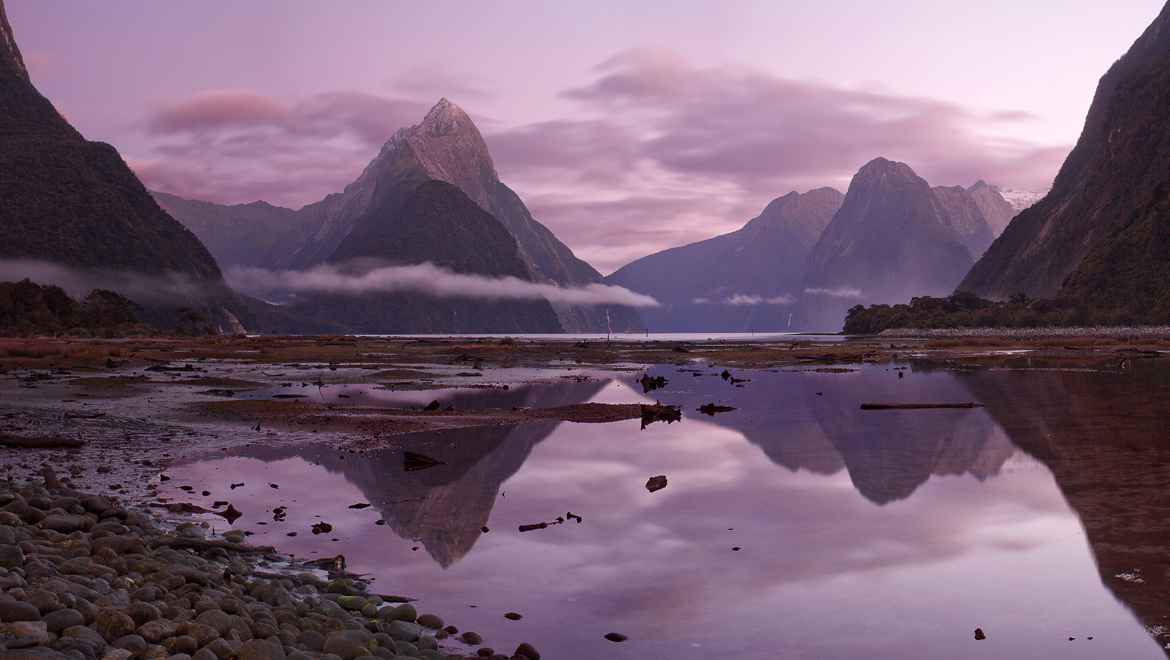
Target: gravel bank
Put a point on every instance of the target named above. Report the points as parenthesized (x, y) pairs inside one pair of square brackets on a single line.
[(85, 578)]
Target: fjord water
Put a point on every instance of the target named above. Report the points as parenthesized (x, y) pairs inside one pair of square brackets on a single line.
[(797, 526)]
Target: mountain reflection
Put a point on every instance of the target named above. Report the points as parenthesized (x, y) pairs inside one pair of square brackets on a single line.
[(1103, 436), (444, 507), (813, 420)]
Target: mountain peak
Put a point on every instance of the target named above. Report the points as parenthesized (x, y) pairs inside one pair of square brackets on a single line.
[(879, 167), (446, 118), (10, 60), (448, 145), (979, 185)]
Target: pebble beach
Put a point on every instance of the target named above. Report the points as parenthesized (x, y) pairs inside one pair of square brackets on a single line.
[(87, 577)]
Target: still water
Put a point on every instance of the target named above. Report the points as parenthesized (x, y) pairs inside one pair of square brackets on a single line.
[(796, 526)]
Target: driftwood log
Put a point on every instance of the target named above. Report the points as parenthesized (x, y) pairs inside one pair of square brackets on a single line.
[(918, 406), (39, 441)]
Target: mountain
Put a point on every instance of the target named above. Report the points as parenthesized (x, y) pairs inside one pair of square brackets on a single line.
[(892, 238), (76, 205), (996, 208), (253, 234), (963, 215), (747, 279), (435, 223), (1113, 185), (445, 146)]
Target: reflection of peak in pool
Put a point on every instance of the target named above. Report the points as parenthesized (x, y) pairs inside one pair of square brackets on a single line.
[(444, 506), (811, 419)]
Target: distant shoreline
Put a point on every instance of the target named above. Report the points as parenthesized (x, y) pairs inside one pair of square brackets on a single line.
[(1023, 334)]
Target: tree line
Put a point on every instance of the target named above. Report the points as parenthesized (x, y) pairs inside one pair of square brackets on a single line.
[(963, 309)]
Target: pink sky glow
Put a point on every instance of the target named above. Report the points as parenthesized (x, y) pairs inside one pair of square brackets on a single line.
[(626, 127)]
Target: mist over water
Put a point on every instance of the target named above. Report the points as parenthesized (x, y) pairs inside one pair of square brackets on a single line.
[(428, 279)]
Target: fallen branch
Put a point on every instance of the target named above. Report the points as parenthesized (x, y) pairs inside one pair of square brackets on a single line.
[(39, 441), (918, 406)]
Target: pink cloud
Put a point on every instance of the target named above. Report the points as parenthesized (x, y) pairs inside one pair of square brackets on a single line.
[(233, 146), (661, 153), (687, 152)]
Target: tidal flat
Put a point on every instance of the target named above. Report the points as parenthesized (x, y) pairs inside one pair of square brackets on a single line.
[(789, 522)]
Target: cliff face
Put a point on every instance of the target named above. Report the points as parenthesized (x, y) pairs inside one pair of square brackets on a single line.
[(1125, 277), (746, 280), (1115, 176), (891, 239), (446, 146)]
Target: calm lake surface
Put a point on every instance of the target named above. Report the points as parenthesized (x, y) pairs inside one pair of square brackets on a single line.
[(796, 526)]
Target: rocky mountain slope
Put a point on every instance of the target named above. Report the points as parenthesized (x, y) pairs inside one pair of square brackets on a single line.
[(747, 279), (1112, 185), (445, 146), (893, 238)]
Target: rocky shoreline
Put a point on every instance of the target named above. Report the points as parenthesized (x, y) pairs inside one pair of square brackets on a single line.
[(86, 577)]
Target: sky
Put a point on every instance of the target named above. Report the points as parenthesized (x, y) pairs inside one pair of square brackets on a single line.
[(627, 127)]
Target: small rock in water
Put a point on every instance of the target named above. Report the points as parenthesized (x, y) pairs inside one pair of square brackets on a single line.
[(526, 650), (710, 409), (513, 616), (472, 638), (230, 514), (656, 483), (616, 637), (979, 634)]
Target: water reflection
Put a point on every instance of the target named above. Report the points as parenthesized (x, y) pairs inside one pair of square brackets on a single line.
[(1104, 437), (812, 419), (446, 506), (954, 528)]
